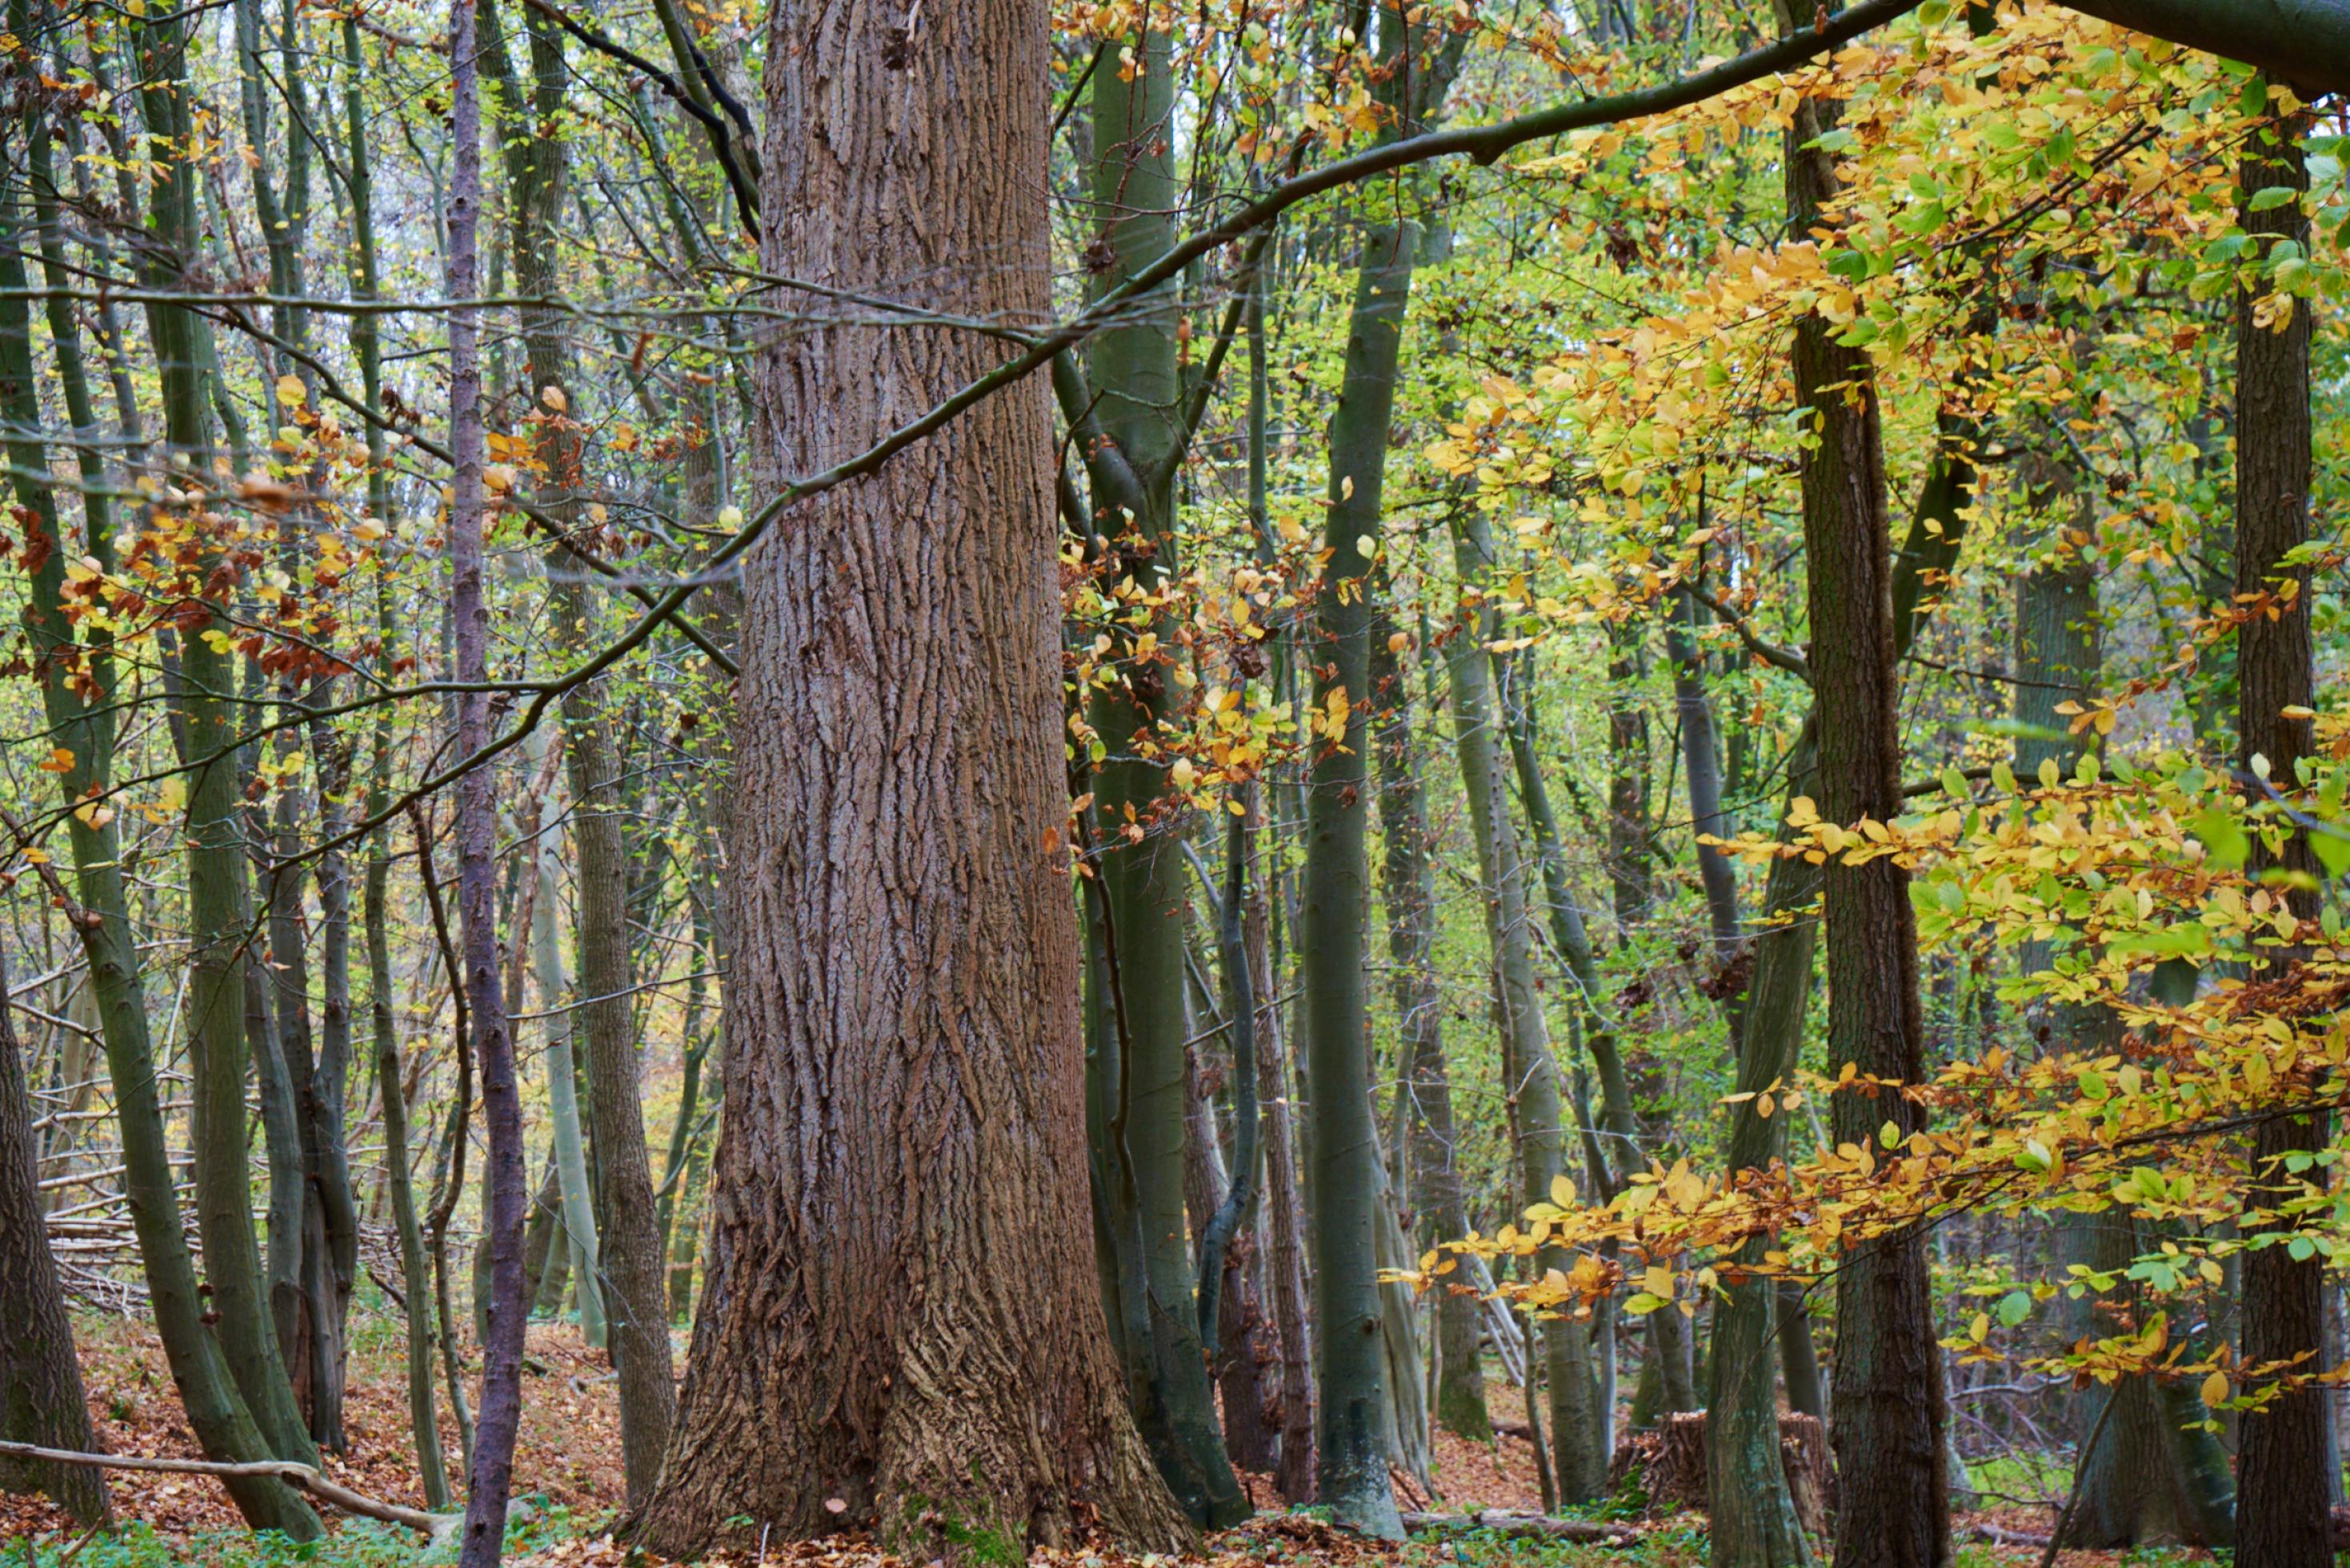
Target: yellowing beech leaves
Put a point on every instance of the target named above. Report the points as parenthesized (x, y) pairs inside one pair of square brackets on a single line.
[(2112, 872)]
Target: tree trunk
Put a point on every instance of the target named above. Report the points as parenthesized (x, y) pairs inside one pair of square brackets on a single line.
[(1530, 1073), (2282, 1465), (1753, 1518), (415, 1280), (866, 1354), (1284, 1269), (1886, 1407), (1140, 401), (1617, 1145), (216, 1408), (1409, 878), (504, 1192), (41, 1399), (1352, 1479), (577, 1221)]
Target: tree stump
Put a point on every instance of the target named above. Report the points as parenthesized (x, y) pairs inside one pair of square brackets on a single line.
[(1669, 1465)]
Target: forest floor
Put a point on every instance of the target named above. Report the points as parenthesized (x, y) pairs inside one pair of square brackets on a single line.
[(567, 1466)]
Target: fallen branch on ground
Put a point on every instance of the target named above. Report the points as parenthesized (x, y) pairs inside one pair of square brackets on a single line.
[(333, 1494), (1996, 1535), (1505, 1522)]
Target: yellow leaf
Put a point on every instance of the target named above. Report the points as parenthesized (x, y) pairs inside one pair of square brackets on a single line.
[(2215, 1388), (1562, 1192), (289, 391), (552, 397)]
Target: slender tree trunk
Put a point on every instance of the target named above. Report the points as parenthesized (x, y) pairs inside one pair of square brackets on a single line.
[(2282, 1465), (1618, 1146), (41, 1399), (391, 1079), (1410, 889), (415, 1279), (1701, 766), (628, 1243), (902, 939), (582, 1241), (1285, 1270), (505, 1193), (1530, 1073), (1886, 1410), (216, 1407), (1140, 406)]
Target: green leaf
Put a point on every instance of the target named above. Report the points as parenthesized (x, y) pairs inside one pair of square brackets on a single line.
[(2270, 197), (2222, 839), (2015, 1308)]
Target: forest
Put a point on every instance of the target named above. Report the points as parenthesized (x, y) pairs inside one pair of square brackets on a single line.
[(1478, 784)]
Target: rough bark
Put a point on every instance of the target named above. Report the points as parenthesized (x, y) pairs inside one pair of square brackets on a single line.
[(1887, 1406), (897, 1198), (2281, 1464), (41, 1399)]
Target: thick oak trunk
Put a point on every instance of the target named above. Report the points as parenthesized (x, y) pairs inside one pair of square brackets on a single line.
[(900, 1329)]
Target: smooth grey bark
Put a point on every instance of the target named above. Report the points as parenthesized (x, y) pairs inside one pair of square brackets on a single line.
[(1701, 768), (101, 915), (577, 1221), (1409, 876), (1531, 1071), (1138, 403)]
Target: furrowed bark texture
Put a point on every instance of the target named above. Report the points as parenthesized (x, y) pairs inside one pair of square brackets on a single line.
[(1887, 1410), (41, 1399), (899, 1311), (2281, 1499)]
